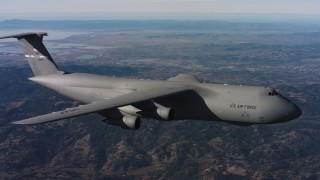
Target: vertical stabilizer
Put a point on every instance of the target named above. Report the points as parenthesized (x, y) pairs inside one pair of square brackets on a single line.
[(38, 56)]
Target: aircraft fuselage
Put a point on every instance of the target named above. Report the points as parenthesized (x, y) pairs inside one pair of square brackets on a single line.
[(124, 101), (221, 102)]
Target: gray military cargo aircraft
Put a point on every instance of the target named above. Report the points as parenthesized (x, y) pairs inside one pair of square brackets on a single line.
[(123, 102)]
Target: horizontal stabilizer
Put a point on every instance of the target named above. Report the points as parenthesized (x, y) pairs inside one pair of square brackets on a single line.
[(22, 35)]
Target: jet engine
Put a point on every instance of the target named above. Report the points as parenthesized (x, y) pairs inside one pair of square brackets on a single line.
[(127, 122), (165, 113)]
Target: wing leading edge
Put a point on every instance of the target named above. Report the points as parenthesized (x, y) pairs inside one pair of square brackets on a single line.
[(123, 100)]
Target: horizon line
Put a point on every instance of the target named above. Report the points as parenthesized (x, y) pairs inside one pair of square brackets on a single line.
[(245, 17)]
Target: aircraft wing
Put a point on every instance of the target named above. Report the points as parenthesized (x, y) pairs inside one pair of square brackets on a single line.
[(123, 100)]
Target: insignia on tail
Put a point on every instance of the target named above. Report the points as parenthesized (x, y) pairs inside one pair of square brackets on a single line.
[(37, 54)]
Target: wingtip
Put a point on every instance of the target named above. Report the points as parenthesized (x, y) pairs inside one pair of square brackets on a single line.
[(23, 122), (17, 123)]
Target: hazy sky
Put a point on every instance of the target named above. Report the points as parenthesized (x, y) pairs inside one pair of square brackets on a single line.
[(304, 10), (161, 6)]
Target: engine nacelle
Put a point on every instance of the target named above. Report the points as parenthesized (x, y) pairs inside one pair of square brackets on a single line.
[(165, 113), (127, 122), (132, 122)]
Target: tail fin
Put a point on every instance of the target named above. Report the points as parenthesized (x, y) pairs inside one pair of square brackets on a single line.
[(38, 56)]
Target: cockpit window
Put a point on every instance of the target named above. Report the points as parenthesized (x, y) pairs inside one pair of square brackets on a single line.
[(273, 93)]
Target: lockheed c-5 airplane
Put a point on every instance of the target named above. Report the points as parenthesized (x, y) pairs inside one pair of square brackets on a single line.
[(124, 101)]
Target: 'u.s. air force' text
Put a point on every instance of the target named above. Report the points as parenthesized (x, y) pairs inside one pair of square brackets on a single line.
[(243, 106)]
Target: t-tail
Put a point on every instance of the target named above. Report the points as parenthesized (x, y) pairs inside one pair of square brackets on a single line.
[(38, 56)]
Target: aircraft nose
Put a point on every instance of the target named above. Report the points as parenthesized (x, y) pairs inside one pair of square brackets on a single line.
[(291, 111)]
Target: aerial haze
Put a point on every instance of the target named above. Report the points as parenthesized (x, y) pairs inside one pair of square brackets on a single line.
[(243, 42), (162, 9), (281, 56), (163, 6)]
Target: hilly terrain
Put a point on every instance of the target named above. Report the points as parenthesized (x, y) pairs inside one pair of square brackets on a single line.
[(87, 148)]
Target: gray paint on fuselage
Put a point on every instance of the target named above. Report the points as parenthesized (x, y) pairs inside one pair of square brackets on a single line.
[(124, 101), (249, 104)]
